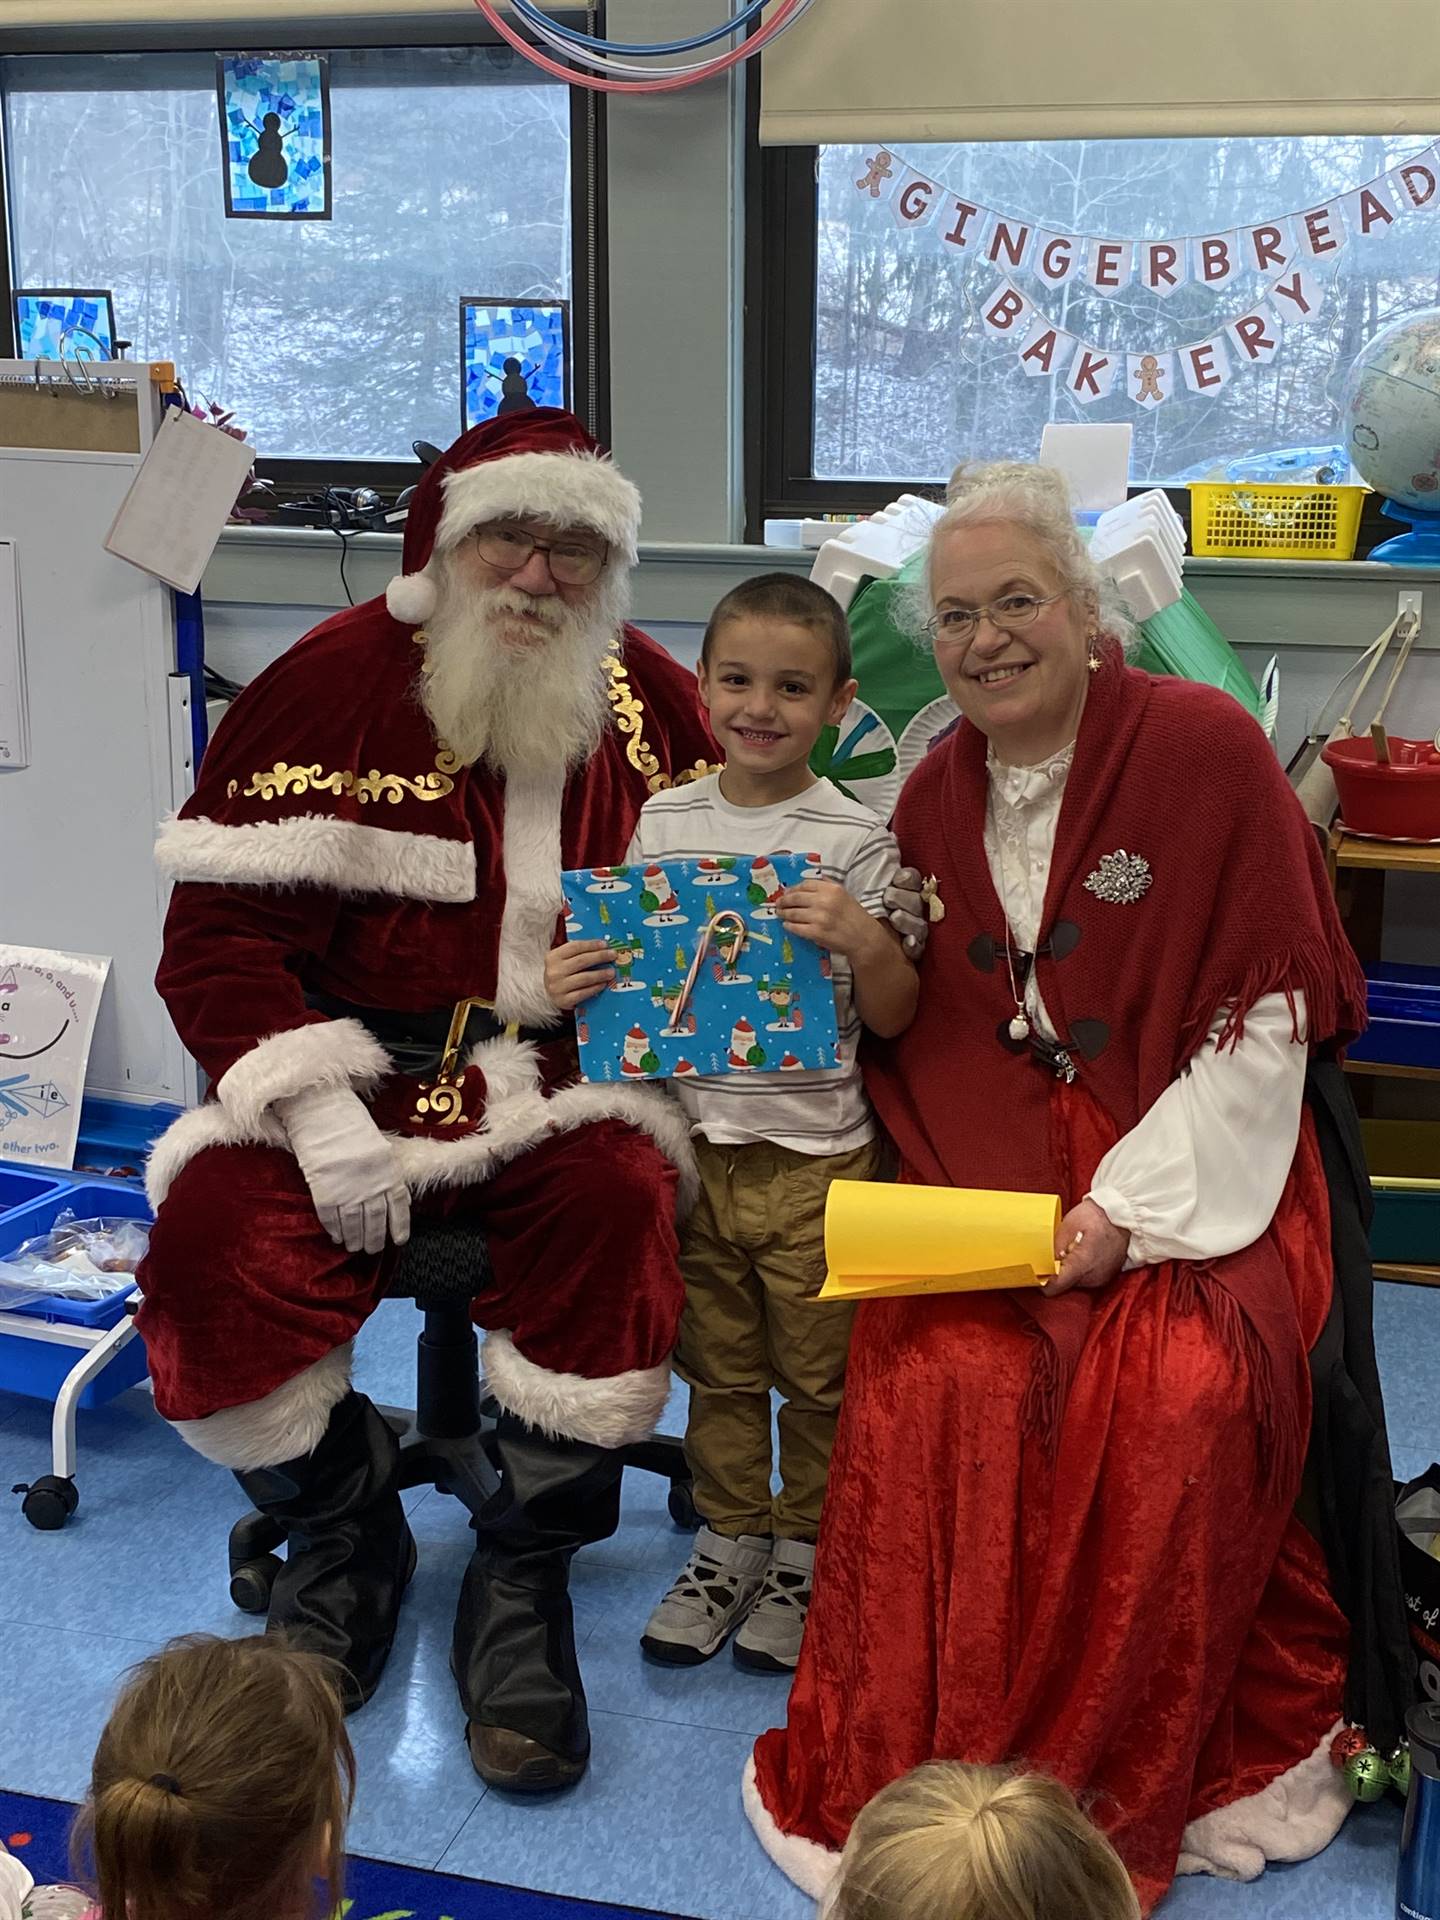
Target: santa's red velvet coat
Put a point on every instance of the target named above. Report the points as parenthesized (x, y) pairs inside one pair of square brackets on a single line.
[(334, 846)]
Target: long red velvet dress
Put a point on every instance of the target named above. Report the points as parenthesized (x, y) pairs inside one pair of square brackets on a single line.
[(1089, 1565)]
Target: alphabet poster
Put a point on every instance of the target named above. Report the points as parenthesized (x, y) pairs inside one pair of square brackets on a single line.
[(275, 135), (766, 1007), (48, 1004)]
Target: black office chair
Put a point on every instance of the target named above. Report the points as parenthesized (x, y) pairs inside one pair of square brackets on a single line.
[(447, 1441)]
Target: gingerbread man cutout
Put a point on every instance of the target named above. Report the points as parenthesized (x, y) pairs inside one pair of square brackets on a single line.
[(1148, 374), (879, 168)]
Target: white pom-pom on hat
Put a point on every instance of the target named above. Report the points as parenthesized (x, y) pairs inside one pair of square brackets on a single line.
[(411, 598)]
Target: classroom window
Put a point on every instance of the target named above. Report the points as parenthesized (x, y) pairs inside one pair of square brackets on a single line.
[(331, 339), (881, 369)]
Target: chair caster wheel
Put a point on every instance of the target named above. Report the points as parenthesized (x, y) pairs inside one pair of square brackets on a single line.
[(49, 1502), (681, 1502), (250, 1583)]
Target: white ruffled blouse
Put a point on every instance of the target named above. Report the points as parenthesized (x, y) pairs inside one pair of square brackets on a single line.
[(1202, 1172)]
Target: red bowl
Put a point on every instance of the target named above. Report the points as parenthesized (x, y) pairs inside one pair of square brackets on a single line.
[(1400, 801)]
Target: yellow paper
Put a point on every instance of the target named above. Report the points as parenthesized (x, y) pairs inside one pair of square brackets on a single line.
[(884, 1240)]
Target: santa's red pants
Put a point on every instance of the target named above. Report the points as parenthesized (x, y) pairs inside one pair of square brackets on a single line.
[(244, 1289)]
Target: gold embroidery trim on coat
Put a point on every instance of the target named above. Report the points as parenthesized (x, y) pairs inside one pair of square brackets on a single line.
[(630, 718), (272, 783)]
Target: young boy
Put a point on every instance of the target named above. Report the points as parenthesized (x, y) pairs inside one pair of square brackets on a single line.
[(774, 672)]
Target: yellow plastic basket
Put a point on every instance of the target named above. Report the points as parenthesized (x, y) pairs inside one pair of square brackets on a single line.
[(1253, 522)]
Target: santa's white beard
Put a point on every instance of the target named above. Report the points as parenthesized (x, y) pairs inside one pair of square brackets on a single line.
[(521, 705)]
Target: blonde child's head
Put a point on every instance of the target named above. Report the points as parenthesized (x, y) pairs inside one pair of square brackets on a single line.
[(220, 1786), (956, 1842)]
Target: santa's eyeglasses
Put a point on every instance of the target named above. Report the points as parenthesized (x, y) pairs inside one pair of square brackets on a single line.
[(574, 563)]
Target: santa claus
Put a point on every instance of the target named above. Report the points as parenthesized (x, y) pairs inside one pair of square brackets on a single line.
[(369, 869)]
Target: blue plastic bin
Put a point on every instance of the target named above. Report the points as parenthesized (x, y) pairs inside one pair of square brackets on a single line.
[(19, 1189), (1404, 1028), (38, 1368)]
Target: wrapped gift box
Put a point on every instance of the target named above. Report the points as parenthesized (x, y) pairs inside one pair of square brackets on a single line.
[(768, 1008)]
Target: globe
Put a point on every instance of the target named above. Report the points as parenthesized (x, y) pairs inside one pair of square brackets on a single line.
[(1391, 411)]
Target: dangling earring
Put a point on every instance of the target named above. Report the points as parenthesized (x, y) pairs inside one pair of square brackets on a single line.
[(1093, 660)]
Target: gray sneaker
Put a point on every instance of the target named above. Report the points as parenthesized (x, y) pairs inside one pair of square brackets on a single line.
[(769, 1641), (713, 1594)]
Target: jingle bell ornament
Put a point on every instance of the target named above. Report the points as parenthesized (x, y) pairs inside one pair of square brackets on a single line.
[(1399, 1770), (1367, 1775), (1349, 1741)]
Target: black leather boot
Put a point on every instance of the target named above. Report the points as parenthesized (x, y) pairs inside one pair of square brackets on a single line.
[(349, 1551), (514, 1654)]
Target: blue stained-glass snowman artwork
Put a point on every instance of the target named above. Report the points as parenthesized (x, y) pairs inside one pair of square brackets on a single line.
[(275, 135), (512, 358), (766, 1005)]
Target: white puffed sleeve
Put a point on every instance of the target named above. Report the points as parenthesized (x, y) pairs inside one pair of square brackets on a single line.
[(1202, 1173)]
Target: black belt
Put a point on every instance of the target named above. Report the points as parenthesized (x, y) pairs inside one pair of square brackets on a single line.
[(416, 1042)]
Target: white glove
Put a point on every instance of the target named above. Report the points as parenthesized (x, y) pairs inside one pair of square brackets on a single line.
[(349, 1167)]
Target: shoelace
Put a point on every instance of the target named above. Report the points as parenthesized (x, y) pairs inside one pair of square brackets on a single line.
[(784, 1587), (706, 1580)]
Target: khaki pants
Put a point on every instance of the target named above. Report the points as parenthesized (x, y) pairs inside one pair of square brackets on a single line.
[(753, 1257)]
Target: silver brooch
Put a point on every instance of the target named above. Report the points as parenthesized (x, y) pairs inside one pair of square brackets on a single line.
[(1121, 878)]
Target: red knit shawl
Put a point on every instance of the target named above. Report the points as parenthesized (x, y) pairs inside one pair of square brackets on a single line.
[(1238, 907)]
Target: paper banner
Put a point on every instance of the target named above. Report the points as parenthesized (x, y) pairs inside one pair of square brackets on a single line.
[(1321, 231), (1369, 210), (1163, 266), (1296, 297), (1206, 365), (1046, 348), (884, 1239), (914, 200), (1055, 257), (1149, 378), (1215, 260), (963, 223), (1268, 247), (1006, 314), (1415, 186), (879, 175), (1254, 338), (1009, 243), (1091, 375), (1108, 264)]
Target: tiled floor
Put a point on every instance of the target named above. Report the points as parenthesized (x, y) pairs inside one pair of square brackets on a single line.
[(657, 1822)]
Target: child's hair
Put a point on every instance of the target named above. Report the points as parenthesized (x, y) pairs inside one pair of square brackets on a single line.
[(784, 596), (978, 1843), (221, 1785)]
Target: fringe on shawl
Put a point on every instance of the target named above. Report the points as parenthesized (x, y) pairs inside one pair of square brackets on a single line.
[(1281, 1441), (1332, 983)]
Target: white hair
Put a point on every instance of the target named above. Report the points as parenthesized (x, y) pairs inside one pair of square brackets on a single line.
[(1035, 499)]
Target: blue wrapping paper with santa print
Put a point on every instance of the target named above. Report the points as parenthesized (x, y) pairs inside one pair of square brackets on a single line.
[(771, 1010)]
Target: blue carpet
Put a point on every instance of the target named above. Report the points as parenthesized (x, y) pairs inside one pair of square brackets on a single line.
[(38, 1832)]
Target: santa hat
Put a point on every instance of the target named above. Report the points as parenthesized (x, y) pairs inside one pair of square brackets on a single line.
[(538, 464)]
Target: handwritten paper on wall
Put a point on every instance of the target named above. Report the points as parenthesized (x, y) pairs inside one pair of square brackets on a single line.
[(180, 499)]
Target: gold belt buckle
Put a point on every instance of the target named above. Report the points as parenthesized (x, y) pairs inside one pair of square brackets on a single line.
[(441, 1098)]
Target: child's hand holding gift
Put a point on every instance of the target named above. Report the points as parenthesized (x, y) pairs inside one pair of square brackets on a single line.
[(576, 971), (886, 984)]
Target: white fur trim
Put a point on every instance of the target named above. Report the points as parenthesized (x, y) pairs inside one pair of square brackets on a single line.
[(570, 489), (609, 1412), (533, 896), (312, 850), (811, 1866), (514, 1123), (281, 1426), (517, 1114), (411, 598), (1294, 1818), (191, 1134), (326, 1053)]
